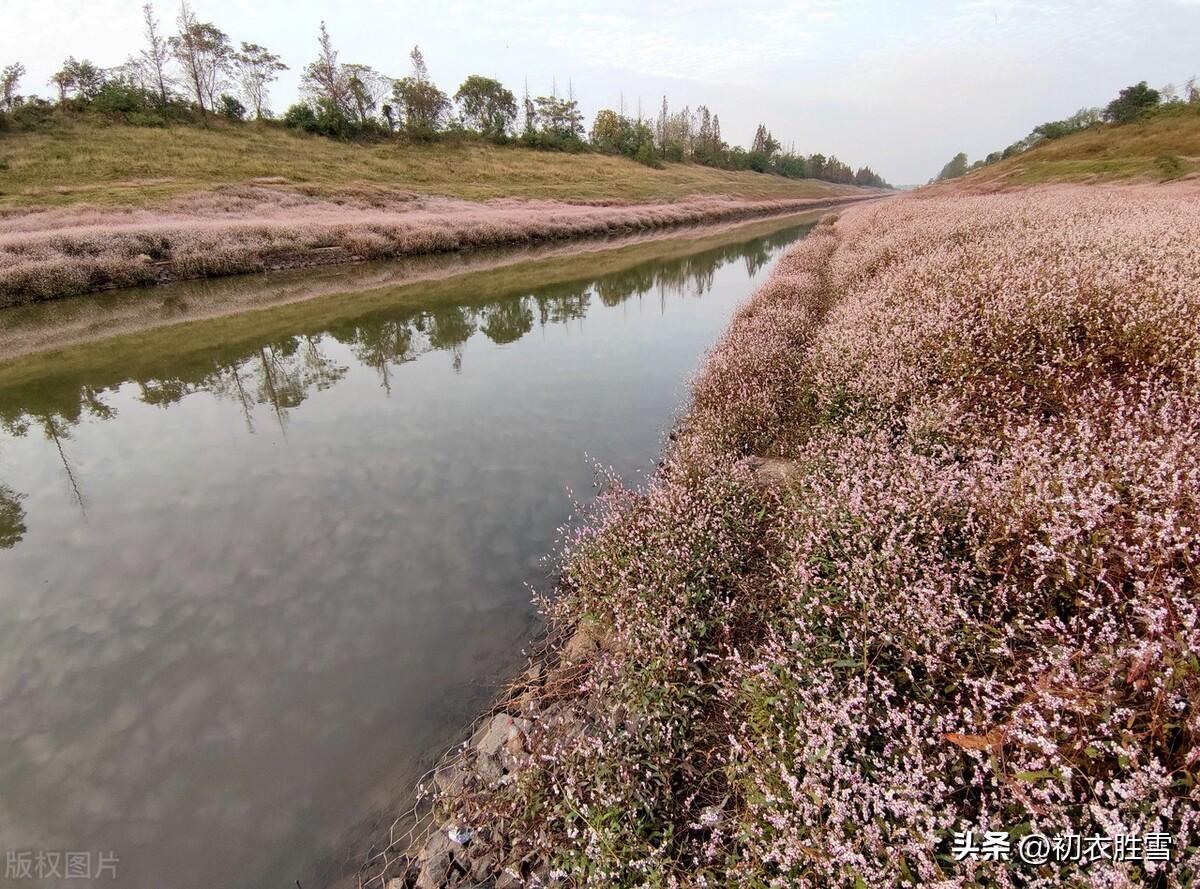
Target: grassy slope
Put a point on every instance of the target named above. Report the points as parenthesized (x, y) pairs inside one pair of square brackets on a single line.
[(82, 161), (1164, 146)]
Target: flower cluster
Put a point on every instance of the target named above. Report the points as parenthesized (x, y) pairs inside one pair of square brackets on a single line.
[(971, 605)]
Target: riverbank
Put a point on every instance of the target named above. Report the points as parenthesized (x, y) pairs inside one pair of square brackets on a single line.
[(920, 559), (315, 295), (51, 253)]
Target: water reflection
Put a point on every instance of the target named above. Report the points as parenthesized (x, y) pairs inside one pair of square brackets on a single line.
[(257, 570), (12, 517)]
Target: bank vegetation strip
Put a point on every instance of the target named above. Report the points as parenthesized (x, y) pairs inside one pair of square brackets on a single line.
[(51, 253), (922, 558)]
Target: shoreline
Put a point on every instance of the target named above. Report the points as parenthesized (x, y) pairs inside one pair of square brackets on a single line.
[(732, 688), (51, 254), (57, 325)]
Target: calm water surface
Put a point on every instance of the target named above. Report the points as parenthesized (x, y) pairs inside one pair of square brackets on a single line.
[(257, 572)]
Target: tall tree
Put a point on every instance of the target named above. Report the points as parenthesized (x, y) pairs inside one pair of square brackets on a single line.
[(10, 80), (367, 89), (422, 104), (205, 54), (62, 81), (257, 69), (487, 106), (155, 56), (82, 76), (324, 78)]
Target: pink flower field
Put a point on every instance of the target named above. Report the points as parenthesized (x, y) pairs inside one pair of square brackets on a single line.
[(967, 601), (49, 254)]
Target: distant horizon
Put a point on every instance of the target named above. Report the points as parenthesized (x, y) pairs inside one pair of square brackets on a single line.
[(899, 91)]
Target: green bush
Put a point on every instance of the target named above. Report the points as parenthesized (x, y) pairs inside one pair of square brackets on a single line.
[(230, 108)]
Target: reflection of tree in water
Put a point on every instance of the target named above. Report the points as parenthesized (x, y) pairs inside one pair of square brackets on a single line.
[(282, 372), (12, 517), (563, 302), (508, 321)]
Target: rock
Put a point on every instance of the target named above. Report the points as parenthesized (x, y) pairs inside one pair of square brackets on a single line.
[(584, 642), (435, 861), (145, 257), (396, 883), (772, 471), (488, 768), (508, 880), (499, 733), (484, 867), (515, 745), (490, 736), (450, 779)]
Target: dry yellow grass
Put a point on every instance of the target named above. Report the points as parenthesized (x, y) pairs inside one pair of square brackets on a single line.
[(86, 162), (1161, 147)]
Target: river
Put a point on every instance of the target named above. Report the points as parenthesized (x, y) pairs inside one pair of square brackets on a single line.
[(258, 569)]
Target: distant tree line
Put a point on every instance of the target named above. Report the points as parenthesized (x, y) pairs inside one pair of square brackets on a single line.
[(1132, 103), (198, 72)]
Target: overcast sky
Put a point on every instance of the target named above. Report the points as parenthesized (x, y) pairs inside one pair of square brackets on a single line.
[(901, 86)]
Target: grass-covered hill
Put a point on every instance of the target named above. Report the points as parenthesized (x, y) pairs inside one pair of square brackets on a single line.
[(91, 161), (1161, 146)]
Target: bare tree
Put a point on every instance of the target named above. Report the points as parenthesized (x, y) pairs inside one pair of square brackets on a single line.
[(155, 57), (257, 69), (204, 52)]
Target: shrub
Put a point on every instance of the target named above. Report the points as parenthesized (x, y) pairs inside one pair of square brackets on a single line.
[(230, 108), (1131, 103)]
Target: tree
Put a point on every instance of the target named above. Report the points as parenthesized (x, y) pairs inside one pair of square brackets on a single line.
[(487, 107), (155, 57), (956, 167), (367, 87), (529, 126), (1130, 103), (559, 121), (62, 81), (204, 52), (421, 103), (324, 78), (764, 142), (606, 130), (83, 77), (10, 80), (257, 69)]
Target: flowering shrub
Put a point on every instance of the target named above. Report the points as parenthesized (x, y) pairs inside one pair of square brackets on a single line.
[(972, 605)]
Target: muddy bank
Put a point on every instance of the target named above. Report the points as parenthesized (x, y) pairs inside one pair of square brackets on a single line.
[(50, 254)]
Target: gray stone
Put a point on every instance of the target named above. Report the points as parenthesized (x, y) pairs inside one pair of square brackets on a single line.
[(450, 778), (484, 867), (434, 861), (492, 734), (584, 642), (773, 471)]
